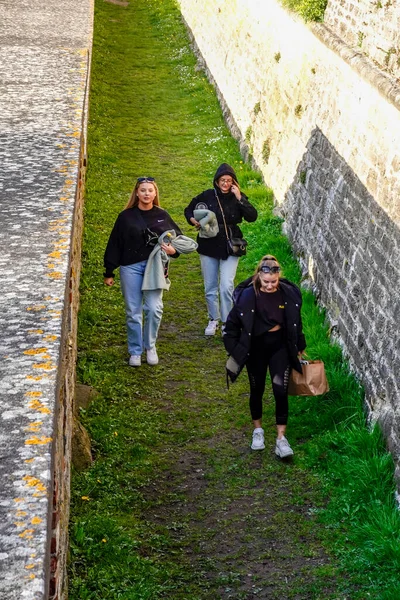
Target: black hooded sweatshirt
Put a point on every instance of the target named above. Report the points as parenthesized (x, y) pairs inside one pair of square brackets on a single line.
[(234, 210)]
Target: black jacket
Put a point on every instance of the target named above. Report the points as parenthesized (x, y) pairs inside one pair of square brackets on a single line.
[(239, 325), (127, 243), (235, 211)]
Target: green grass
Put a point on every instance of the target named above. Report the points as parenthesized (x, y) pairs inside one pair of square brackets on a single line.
[(175, 505)]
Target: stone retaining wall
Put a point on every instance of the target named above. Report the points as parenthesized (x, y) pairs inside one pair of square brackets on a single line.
[(322, 123), (373, 26), (44, 69)]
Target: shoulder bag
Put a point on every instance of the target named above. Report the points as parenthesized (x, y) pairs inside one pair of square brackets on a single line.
[(311, 382), (235, 246)]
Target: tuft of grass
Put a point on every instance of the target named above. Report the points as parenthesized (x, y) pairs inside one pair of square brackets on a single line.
[(298, 110), (175, 505), (266, 151), (309, 10), (257, 108)]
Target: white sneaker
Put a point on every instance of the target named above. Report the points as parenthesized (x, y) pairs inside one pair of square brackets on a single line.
[(152, 356), (211, 328), (258, 439), (282, 448), (135, 360)]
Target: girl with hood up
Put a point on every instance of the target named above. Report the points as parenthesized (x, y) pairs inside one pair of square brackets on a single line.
[(219, 268)]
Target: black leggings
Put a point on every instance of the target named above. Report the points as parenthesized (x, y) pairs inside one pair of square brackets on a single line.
[(269, 351)]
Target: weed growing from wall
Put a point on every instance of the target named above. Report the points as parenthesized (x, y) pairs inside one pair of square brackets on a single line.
[(248, 135), (310, 10), (298, 111), (266, 151)]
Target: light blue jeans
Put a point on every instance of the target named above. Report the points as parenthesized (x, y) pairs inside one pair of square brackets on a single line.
[(218, 274), (131, 283)]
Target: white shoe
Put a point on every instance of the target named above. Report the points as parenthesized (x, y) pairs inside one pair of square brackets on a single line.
[(135, 360), (258, 439), (152, 356), (211, 328), (282, 448)]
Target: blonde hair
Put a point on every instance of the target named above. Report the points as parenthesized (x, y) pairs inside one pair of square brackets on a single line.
[(134, 200), (267, 261)]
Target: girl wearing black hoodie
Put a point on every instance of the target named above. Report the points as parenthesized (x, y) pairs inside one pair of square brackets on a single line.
[(218, 268)]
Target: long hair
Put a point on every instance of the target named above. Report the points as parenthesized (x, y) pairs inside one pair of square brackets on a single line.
[(134, 200), (267, 261)]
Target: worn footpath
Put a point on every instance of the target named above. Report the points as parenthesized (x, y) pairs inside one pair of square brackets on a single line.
[(176, 505)]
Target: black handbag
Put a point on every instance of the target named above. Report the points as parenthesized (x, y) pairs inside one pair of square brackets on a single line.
[(150, 237), (235, 246)]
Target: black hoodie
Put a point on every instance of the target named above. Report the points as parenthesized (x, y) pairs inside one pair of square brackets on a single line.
[(234, 210)]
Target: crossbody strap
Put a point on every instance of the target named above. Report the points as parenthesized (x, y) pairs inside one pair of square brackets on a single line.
[(141, 220), (222, 213)]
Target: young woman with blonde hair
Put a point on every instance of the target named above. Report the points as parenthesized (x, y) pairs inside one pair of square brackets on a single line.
[(131, 242), (264, 331)]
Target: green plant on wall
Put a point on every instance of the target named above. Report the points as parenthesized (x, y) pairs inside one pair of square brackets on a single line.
[(266, 151), (277, 56), (298, 111), (257, 108), (388, 55), (310, 10), (248, 134)]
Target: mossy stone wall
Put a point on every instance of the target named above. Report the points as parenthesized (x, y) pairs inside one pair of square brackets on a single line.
[(322, 123)]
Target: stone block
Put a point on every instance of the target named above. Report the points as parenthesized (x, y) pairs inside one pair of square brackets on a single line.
[(84, 395), (81, 447)]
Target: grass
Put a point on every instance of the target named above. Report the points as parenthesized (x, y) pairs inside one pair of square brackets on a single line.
[(175, 505), (309, 10)]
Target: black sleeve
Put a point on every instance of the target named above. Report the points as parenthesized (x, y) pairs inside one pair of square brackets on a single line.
[(233, 329), (301, 340), (188, 212), (112, 255), (249, 213), (177, 229)]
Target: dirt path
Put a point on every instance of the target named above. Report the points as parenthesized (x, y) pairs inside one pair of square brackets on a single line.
[(243, 521), (176, 505)]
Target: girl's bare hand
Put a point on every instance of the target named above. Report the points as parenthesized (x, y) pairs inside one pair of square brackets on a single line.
[(235, 189), (195, 223), (109, 281), (168, 249)]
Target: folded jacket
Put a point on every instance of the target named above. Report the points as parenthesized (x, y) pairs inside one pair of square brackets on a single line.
[(156, 271), (208, 222)]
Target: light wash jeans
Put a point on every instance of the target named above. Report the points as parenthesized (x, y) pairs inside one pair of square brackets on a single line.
[(131, 283), (214, 269)]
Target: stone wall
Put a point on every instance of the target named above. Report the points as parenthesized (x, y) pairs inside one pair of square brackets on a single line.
[(64, 414), (322, 124), (44, 70), (372, 26)]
